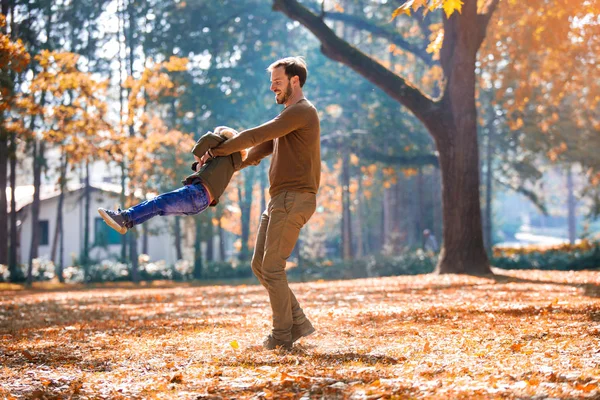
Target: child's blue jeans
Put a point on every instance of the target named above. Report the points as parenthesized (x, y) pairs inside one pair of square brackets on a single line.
[(188, 200)]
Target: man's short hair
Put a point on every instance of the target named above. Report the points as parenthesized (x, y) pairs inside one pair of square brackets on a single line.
[(293, 66)]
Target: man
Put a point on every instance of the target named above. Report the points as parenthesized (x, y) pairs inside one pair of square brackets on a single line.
[(293, 137)]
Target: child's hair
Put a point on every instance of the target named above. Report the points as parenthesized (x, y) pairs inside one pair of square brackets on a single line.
[(228, 133)]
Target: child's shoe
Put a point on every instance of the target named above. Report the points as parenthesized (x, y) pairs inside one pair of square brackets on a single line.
[(115, 219)]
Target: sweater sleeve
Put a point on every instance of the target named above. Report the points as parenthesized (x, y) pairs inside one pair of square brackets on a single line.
[(257, 153), (288, 121)]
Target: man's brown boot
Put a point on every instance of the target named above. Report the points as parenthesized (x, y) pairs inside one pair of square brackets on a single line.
[(271, 343), (302, 330)]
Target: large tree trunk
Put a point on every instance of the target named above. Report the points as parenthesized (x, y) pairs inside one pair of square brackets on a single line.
[(463, 250), (451, 121)]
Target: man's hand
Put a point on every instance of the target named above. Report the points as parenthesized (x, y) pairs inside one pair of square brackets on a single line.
[(204, 158)]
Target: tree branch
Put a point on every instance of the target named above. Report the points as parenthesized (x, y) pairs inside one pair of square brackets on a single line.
[(421, 105), (393, 37)]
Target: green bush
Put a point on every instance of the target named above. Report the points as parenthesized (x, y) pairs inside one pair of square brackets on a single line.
[(225, 270), (409, 263), (560, 259)]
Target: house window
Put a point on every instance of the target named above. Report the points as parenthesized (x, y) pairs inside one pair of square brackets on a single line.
[(44, 227), (104, 235)]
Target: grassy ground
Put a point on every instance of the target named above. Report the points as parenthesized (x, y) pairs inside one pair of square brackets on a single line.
[(524, 334)]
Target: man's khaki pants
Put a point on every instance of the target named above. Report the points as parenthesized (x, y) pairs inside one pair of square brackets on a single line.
[(278, 232)]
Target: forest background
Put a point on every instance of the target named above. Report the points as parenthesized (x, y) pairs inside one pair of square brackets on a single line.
[(118, 91)]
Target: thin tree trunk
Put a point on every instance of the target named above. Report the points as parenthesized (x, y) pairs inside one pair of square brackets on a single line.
[(12, 260), (263, 187), (4, 166), (145, 239), (487, 232), (385, 219), (85, 256), (133, 255), (35, 206), (121, 31), (177, 233), (123, 200), (210, 236), (346, 217), (245, 199), (197, 274), (59, 209), (58, 232), (3, 185), (222, 255), (420, 212), (571, 204), (359, 220)]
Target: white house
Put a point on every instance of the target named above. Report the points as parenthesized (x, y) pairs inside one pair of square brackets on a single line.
[(104, 241)]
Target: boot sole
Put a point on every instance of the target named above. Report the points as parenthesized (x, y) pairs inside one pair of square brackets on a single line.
[(110, 222)]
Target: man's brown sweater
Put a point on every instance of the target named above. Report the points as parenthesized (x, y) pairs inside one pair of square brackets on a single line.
[(294, 139)]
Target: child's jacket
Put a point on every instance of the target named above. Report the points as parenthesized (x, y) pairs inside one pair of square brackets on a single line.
[(216, 172)]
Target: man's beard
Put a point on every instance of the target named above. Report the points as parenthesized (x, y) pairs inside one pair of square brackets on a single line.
[(286, 95)]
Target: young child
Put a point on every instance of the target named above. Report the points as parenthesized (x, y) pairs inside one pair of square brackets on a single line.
[(201, 189)]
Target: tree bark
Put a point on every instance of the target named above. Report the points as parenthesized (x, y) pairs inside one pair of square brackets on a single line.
[(450, 120)]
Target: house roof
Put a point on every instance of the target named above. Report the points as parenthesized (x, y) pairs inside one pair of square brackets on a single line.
[(24, 194)]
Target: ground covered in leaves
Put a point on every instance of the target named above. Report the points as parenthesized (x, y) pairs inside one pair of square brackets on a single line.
[(525, 334)]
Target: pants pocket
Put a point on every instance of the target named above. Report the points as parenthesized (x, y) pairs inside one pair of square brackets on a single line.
[(288, 201)]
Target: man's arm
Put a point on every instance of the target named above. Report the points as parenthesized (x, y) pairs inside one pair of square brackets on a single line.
[(257, 153), (289, 120)]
